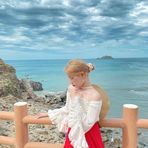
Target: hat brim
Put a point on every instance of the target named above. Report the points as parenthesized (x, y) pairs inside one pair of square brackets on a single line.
[(105, 102)]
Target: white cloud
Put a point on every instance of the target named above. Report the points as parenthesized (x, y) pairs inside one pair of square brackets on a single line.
[(97, 18), (144, 33), (2, 7), (20, 30), (141, 8), (14, 38), (24, 4), (57, 39), (93, 45), (16, 4), (142, 22), (66, 2), (45, 28), (92, 11), (140, 14), (54, 3)]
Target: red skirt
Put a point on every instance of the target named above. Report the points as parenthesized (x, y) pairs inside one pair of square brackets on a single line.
[(93, 138)]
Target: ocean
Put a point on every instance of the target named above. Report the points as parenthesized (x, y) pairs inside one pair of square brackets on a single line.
[(125, 80)]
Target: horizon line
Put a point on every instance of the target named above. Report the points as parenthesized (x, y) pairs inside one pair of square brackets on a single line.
[(75, 58)]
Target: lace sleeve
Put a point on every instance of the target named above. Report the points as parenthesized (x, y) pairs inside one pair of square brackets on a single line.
[(92, 115), (81, 122), (59, 116)]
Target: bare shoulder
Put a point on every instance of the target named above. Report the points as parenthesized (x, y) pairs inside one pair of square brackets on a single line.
[(94, 94)]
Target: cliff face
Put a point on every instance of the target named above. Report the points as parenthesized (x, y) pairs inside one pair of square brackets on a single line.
[(9, 84), (5, 68)]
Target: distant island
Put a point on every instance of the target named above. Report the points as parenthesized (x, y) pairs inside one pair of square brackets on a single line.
[(105, 57)]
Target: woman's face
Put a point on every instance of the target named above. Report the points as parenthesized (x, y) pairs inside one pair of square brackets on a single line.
[(78, 80)]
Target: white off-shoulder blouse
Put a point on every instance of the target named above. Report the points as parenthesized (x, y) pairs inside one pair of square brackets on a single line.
[(78, 114)]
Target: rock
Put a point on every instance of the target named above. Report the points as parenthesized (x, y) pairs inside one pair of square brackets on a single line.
[(105, 139), (29, 85), (56, 97), (27, 89), (25, 85), (1, 92), (9, 84), (41, 131), (117, 142), (141, 144), (139, 133), (5, 68), (63, 96), (37, 86)]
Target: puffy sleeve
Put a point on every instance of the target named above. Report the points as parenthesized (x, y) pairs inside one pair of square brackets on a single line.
[(92, 115), (59, 116), (81, 122)]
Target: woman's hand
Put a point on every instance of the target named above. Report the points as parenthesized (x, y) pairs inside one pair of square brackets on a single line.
[(41, 115)]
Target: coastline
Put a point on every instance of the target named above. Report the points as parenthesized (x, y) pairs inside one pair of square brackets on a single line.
[(108, 73), (45, 133), (13, 90)]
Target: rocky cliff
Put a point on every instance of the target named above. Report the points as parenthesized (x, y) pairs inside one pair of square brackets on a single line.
[(11, 85)]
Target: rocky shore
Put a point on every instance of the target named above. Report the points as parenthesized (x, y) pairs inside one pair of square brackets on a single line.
[(13, 90), (47, 133)]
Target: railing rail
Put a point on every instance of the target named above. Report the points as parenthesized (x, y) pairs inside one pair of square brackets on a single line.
[(129, 124)]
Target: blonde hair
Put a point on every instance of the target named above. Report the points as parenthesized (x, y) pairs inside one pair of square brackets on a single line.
[(76, 66)]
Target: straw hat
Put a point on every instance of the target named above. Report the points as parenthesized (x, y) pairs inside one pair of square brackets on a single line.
[(105, 102)]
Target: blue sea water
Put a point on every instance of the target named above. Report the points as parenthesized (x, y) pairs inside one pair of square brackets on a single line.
[(125, 80)]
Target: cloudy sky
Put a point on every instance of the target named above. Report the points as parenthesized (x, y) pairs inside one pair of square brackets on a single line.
[(53, 29)]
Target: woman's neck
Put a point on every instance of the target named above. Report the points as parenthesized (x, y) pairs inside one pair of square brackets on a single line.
[(87, 84)]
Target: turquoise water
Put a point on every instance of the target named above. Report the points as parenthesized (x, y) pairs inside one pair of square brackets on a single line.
[(125, 80)]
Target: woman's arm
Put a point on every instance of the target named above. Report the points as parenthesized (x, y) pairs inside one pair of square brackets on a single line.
[(46, 114)]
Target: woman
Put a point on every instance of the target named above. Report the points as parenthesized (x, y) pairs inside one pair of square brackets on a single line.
[(79, 117)]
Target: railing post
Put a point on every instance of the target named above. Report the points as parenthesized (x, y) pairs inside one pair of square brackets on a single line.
[(20, 111), (130, 116)]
